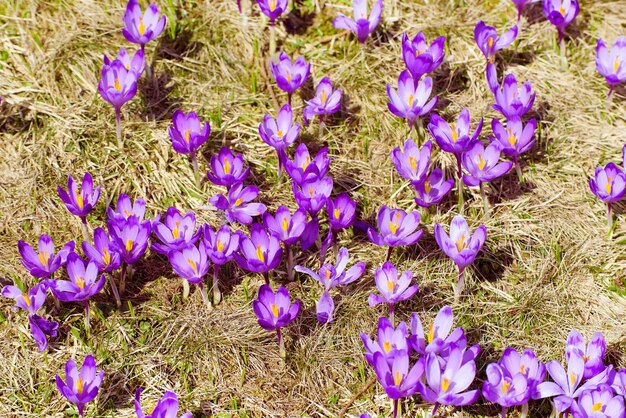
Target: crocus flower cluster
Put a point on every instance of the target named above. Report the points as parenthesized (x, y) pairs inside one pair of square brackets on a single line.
[(362, 24), (609, 185)]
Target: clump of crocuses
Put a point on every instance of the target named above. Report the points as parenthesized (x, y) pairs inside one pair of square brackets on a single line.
[(275, 311), (80, 386)]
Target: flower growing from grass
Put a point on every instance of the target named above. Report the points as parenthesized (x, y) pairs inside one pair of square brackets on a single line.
[(192, 264), (432, 189), (514, 140), (188, 134), (136, 63), (238, 205), (412, 163), (511, 100), (561, 13), (166, 407), (598, 402), (259, 253), (43, 262), (289, 75), (176, 232), (410, 101), (117, 86), (611, 64), (592, 353), (288, 228), (362, 25), (489, 42), (609, 185), (221, 246), (461, 246), (421, 58), (31, 302), (326, 101), (80, 386), (395, 228), (228, 169), (80, 201), (142, 27), (393, 289), (279, 133), (304, 168), (105, 256), (275, 311)]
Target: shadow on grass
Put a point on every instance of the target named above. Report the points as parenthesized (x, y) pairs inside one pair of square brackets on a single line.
[(491, 263), (156, 91), (298, 21), (508, 187), (177, 48), (449, 80)]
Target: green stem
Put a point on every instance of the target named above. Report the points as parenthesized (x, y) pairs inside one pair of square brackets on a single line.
[(217, 295), (205, 297), (609, 219), (460, 285), (116, 294), (118, 128), (281, 344), (196, 171), (459, 185), (485, 201), (289, 264), (85, 228), (185, 289)]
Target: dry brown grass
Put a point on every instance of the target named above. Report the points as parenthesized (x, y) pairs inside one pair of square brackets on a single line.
[(547, 266)]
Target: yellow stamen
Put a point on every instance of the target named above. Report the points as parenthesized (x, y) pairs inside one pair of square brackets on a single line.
[(220, 245), (192, 264), (391, 284), (80, 282), (597, 407), (44, 257), (80, 385), (117, 86), (272, 5), (175, 231), (393, 227), (398, 378), (306, 163), (337, 213), (126, 213), (445, 384), (562, 10), (274, 309), (142, 27), (238, 202), (609, 186), (431, 333), (585, 359), (324, 96), (106, 256), (327, 274), (311, 191), (522, 369), (285, 224), (127, 66), (410, 100), (512, 138), (280, 134), (187, 134), (572, 377), (490, 42), (481, 162), (79, 199), (616, 64), (26, 298), (506, 386), (427, 186), (454, 134), (226, 166), (387, 346), (288, 76), (259, 254), (129, 245), (461, 244), (413, 163)]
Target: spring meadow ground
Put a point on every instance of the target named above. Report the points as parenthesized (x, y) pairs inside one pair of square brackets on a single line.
[(547, 266)]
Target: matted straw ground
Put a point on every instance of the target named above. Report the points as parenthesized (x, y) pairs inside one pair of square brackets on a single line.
[(547, 265)]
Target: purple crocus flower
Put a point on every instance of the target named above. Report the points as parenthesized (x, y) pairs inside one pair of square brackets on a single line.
[(325, 102), (176, 232), (31, 302), (599, 403), (325, 308), (273, 9), (304, 168), (341, 212), (221, 245), (83, 284), (80, 201), (191, 263), (287, 227), (461, 246), (312, 194), (259, 253), (560, 13), (592, 354), (438, 339), (117, 85), (609, 185), (489, 42), (361, 25), (421, 58), (526, 364), (227, 168), (397, 380), (432, 189), (413, 162), (390, 341), (130, 238), (187, 132), (279, 133), (238, 206), (612, 64), (102, 253), (166, 407), (331, 276), (136, 63), (483, 163), (567, 387), (393, 289), (289, 75), (125, 209), (410, 101), (80, 387), (511, 100), (449, 386), (395, 228), (43, 262), (275, 311), (515, 139), (519, 4), (139, 27)]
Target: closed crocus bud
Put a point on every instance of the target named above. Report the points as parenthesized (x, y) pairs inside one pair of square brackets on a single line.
[(410, 101), (80, 386), (362, 24), (325, 308), (136, 63), (412, 163), (489, 42), (142, 27), (420, 57), (187, 132)]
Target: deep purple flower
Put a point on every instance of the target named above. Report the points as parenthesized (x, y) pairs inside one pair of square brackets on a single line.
[(330, 276), (30, 301), (227, 168), (125, 209), (592, 354), (275, 310), (117, 84), (361, 25), (290, 76), (304, 168), (312, 194), (449, 386), (395, 228), (421, 58), (221, 245), (130, 238), (599, 403), (560, 13), (136, 63), (519, 4), (238, 206), (438, 338), (325, 308), (454, 138), (390, 341), (515, 139), (281, 132), (461, 246), (618, 382), (608, 183), (325, 102), (341, 211), (80, 387), (102, 253), (259, 253), (83, 284), (511, 100), (176, 232), (40, 328), (139, 27), (273, 9), (166, 407), (489, 42), (483, 164), (612, 64), (80, 201), (393, 289), (410, 101), (397, 380), (287, 227), (43, 262), (432, 189), (525, 363), (187, 132), (413, 162), (191, 263)]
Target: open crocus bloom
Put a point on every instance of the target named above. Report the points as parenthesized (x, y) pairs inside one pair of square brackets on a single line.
[(117, 84), (433, 189), (489, 42), (176, 232), (511, 100), (102, 252), (166, 407), (608, 183), (612, 64), (304, 168), (421, 58), (80, 201), (395, 228), (221, 244), (325, 102), (438, 336), (125, 209), (139, 27), (281, 132), (341, 211), (461, 245), (83, 284), (80, 387), (43, 262), (413, 162), (287, 227), (410, 101), (228, 168), (191, 263), (483, 164), (561, 13), (393, 289), (275, 310), (330, 276), (289, 75), (361, 25), (273, 9), (130, 238), (238, 206), (397, 379), (390, 341), (136, 63), (259, 253), (187, 132), (592, 353), (313, 193), (503, 389), (599, 403), (454, 138), (515, 139)]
